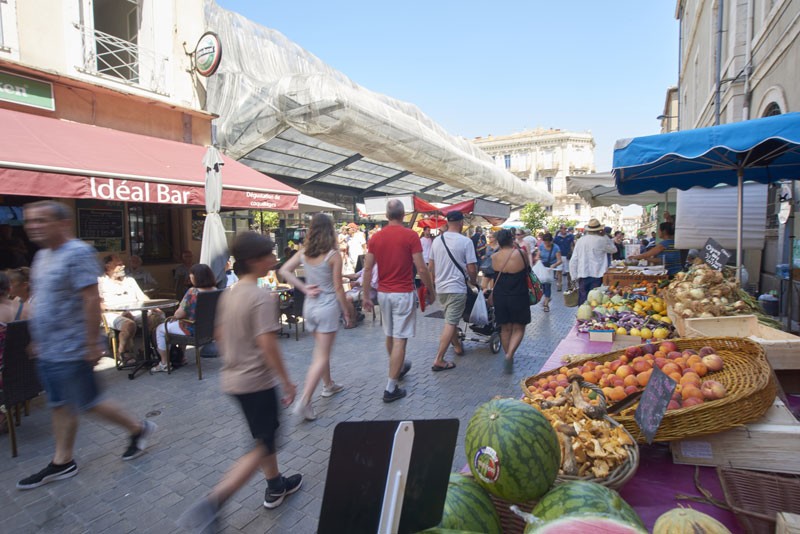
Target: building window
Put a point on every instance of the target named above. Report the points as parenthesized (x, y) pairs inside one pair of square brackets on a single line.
[(151, 232), (2, 42), (772, 110), (549, 182), (577, 208), (507, 160)]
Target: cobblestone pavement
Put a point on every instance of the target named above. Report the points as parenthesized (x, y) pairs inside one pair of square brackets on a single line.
[(201, 433)]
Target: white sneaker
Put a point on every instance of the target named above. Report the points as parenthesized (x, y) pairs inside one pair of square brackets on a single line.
[(305, 411), (159, 368), (330, 391)]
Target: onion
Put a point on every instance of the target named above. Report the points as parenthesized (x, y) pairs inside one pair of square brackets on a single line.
[(697, 293), (679, 307)]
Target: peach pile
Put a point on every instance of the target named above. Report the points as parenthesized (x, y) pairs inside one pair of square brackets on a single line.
[(631, 372)]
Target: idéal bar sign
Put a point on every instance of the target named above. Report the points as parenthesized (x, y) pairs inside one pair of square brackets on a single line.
[(130, 191)]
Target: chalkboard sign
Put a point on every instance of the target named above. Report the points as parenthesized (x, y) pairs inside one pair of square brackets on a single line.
[(714, 255), (653, 403), (93, 224)]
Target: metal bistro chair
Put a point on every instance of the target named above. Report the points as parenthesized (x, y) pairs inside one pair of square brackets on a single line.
[(294, 313), (205, 315), (20, 380)]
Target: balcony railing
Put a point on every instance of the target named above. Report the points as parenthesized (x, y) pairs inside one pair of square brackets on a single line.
[(111, 56)]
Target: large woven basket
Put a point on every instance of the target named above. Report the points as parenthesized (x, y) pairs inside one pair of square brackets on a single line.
[(756, 497), (746, 375)]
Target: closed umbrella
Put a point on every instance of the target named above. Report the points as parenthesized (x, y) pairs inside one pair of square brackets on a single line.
[(214, 251), (760, 150)]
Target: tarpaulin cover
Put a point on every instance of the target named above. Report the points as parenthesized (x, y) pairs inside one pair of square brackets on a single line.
[(42, 156), (259, 95)]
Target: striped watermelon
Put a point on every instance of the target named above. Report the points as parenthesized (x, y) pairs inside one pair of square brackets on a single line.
[(468, 507), (585, 525), (584, 498), (512, 450)]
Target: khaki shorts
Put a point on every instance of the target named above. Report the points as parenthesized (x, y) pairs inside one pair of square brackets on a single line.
[(398, 314), (453, 304)]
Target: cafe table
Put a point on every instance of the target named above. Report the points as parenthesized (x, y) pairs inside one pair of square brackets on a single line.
[(149, 354)]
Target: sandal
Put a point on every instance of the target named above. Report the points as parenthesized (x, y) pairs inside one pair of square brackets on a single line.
[(458, 347), (546, 307), (446, 367)]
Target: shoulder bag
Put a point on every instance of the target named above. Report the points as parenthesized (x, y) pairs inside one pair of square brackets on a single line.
[(535, 291), (471, 295)]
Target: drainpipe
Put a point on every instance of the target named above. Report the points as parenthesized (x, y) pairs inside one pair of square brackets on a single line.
[(680, 64), (748, 58), (718, 69)]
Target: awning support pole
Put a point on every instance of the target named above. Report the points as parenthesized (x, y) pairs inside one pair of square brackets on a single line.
[(740, 198)]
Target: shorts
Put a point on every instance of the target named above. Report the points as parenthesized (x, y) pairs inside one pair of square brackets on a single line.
[(70, 383), (398, 314), (565, 264), (354, 295), (453, 304), (321, 314), (260, 409), (116, 320)]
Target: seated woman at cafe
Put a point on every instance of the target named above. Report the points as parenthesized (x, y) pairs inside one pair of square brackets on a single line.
[(203, 279), (20, 291), (117, 291), (8, 307)]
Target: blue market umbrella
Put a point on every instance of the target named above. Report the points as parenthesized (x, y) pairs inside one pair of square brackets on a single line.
[(214, 250), (760, 150)]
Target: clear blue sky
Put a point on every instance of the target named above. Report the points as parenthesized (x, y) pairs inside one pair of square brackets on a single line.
[(480, 68)]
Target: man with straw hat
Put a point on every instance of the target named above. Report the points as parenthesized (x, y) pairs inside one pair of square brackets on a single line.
[(590, 258)]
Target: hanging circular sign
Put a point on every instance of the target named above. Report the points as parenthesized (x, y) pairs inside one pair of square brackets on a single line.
[(207, 54)]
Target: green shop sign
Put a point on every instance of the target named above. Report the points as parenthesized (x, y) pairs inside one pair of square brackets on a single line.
[(26, 91)]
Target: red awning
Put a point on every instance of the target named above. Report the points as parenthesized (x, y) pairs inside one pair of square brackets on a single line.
[(423, 206), (40, 156), (464, 207)]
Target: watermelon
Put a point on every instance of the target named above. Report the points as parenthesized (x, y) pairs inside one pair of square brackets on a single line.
[(512, 450), (468, 507), (437, 530), (584, 498), (588, 524)]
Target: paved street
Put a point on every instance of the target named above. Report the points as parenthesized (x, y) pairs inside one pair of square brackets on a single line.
[(201, 433)]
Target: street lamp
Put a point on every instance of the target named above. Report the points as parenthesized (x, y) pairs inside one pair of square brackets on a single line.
[(662, 117)]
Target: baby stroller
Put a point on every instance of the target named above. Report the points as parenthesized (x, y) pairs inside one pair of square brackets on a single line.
[(488, 333)]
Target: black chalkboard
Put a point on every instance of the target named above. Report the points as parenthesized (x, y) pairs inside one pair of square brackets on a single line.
[(100, 224), (653, 403), (714, 255)]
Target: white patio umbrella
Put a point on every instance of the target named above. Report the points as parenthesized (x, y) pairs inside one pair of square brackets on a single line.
[(214, 251)]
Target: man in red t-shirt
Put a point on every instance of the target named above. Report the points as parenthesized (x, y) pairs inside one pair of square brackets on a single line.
[(397, 250)]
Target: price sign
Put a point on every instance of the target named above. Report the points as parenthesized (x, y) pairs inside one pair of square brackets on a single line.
[(653, 403), (714, 255)]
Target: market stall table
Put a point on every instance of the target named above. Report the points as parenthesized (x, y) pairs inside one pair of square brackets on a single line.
[(149, 356)]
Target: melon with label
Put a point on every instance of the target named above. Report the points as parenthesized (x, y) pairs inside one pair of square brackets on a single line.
[(512, 450)]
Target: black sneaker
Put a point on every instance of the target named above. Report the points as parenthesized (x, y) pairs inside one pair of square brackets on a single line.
[(398, 393), (51, 473), (273, 498), (404, 371), (139, 441)]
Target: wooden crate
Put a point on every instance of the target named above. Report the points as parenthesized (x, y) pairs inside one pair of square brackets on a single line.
[(787, 523), (782, 348), (770, 444)]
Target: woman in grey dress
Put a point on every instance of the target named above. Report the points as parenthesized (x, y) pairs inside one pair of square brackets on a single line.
[(324, 301)]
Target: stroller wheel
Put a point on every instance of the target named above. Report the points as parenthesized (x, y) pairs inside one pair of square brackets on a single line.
[(494, 343)]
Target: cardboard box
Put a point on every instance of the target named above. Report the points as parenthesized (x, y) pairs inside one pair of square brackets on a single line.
[(782, 348), (771, 444)]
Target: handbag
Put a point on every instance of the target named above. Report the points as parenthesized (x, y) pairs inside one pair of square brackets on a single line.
[(571, 295), (471, 295), (535, 290)]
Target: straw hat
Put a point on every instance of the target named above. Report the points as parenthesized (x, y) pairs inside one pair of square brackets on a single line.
[(594, 226)]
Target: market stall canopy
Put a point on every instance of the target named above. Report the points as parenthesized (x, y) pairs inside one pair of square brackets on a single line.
[(762, 150), (309, 204), (599, 189), (41, 156), (285, 112), (494, 212), (376, 206)]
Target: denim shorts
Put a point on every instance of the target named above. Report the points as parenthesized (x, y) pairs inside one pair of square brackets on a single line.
[(71, 383)]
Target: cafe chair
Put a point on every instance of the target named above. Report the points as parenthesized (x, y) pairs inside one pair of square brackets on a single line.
[(294, 313), (205, 315), (113, 342), (20, 380)]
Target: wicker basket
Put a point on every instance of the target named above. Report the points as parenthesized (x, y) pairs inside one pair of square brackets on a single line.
[(628, 277), (511, 523), (757, 497), (746, 375)]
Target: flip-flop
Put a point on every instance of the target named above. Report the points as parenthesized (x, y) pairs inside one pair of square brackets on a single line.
[(458, 348), (446, 367)]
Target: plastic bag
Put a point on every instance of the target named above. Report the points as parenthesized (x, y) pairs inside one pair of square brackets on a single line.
[(479, 316), (544, 274)]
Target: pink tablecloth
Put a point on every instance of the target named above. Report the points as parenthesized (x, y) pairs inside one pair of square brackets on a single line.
[(574, 343)]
